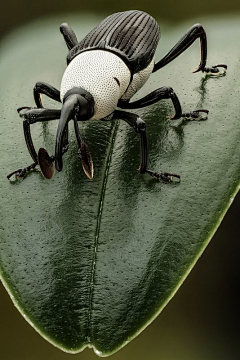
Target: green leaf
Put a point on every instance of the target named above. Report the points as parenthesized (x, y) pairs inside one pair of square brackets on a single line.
[(91, 263)]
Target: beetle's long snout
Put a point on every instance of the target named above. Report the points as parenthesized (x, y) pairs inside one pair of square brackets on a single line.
[(74, 105)]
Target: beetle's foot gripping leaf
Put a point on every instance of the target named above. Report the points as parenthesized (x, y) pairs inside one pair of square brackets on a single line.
[(214, 70), (163, 176), (195, 115), (20, 173)]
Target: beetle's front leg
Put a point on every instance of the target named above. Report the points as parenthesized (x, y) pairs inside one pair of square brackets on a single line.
[(31, 116), (140, 127), (195, 32)]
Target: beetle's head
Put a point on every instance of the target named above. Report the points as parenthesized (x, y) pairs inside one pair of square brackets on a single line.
[(77, 104)]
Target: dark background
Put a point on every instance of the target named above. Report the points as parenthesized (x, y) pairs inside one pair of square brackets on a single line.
[(202, 320), (17, 12)]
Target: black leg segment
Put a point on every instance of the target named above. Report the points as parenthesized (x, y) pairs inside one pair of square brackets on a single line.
[(69, 36), (36, 115), (159, 94), (153, 97), (195, 32), (140, 127), (46, 89)]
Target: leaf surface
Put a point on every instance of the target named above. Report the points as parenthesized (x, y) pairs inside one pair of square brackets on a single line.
[(91, 263)]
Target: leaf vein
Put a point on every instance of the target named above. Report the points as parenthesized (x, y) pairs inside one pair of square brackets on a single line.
[(99, 217)]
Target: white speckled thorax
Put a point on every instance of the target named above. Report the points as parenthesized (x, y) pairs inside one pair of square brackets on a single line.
[(138, 81), (94, 71)]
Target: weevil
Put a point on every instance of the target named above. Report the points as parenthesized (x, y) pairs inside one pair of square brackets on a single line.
[(103, 72)]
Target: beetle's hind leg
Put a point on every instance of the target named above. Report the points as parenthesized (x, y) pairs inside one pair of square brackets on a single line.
[(140, 127), (194, 33), (31, 116), (69, 35), (157, 95)]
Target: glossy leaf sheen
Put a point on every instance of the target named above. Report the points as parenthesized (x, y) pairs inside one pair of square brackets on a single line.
[(91, 263)]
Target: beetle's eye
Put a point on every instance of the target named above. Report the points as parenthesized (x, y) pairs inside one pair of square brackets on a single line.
[(117, 81)]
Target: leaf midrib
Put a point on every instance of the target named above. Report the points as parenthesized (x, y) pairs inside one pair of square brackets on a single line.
[(89, 334)]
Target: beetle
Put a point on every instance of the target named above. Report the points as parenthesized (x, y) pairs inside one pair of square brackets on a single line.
[(103, 72)]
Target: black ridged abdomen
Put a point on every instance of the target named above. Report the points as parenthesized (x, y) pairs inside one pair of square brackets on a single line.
[(132, 35)]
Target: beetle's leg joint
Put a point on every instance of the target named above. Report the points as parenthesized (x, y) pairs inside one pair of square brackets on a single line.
[(37, 86), (171, 92), (140, 125), (29, 117), (199, 29)]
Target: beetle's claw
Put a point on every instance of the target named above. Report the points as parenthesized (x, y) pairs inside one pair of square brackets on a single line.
[(214, 70), (163, 176), (195, 114), (20, 173)]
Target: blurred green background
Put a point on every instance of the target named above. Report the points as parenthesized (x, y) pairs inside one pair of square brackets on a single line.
[(202, 320)]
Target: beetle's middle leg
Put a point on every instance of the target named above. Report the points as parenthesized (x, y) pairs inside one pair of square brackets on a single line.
[(195, 32), (157, 95), (31, 116), (140, 127)]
